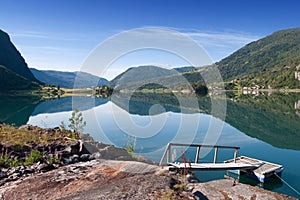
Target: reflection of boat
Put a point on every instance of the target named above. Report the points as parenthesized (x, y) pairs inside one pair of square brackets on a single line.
[(262, 173), (271, 184)]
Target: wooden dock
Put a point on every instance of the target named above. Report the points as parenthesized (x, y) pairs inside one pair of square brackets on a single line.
[(262, 173), (214, 166), (257, 169)]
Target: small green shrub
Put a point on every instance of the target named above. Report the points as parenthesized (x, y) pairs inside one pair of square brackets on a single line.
[(33, 157), (13, 162), (179, 187), (54, 159), (130, 149), (77, 123)]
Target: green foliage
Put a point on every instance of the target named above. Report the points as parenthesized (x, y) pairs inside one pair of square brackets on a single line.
[(130, 147), (9, 160), (140, 74), (24, 137), (266, 60), (13, 162), (152, 86), (154, 78), (200, 89), (54, 159), (13, 81), (179, 187), (105, 91), (6, 160), (33, 157), (77, 123)]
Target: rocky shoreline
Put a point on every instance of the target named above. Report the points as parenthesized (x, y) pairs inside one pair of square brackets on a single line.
[(87, 169), (55, 154), (114, 179)]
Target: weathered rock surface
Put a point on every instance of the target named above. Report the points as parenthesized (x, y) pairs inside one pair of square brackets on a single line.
[(87, 169), (225, 190), (97, 179), (66, 151), (111, 179)]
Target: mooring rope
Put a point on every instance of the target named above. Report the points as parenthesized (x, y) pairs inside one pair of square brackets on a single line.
[(288, 184)]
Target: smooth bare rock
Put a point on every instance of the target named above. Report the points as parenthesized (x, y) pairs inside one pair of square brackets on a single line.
[(111, 179), (97, 179), (224, 189)]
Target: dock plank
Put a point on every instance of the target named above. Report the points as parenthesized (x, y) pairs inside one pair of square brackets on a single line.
[(213, 166)]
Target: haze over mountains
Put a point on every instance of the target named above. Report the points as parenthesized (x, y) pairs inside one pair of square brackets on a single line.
[(271, 61), (67, 79)]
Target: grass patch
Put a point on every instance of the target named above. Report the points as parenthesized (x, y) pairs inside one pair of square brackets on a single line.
[(14, 136)]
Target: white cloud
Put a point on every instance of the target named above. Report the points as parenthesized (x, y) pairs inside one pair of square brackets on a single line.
[(218, 44), (221, 44), (52, 36), (51, 50)]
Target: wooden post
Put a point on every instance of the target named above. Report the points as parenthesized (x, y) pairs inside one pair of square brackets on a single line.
[(164, 155), (169, 153), (216, 154), (197, 155), (235, 155)]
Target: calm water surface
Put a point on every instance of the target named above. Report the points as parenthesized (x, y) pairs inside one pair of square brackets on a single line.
[(265, 127)]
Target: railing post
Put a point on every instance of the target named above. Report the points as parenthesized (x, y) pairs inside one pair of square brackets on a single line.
[(235, 155), (164, 155), (197, 155), (216, 154), (169, 153)]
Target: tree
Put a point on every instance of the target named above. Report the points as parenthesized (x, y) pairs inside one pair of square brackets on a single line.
[(200, 89), (77, 123)]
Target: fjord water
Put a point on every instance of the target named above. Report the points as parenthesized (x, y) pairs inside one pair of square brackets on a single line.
[(266, 127)]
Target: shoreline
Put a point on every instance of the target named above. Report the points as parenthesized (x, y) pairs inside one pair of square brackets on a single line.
[(88, 168), (115, 179)]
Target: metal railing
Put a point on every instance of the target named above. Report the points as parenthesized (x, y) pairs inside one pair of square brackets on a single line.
[(216, 147)]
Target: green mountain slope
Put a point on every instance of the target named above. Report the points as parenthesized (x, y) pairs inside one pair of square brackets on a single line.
[(276, 55), (146, 76), (13, 81), (15, 73), (139, 75), (67, 79)]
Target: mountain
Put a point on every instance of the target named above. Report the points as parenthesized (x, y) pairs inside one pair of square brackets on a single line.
[(13, 81), (151, 77), (139, 75), (14, 72), (272, 60), (185, 69), (67, 79)]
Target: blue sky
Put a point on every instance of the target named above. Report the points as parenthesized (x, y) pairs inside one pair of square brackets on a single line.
[(60, 35)]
